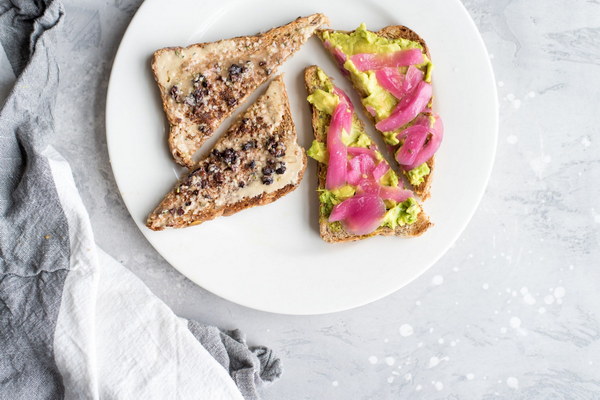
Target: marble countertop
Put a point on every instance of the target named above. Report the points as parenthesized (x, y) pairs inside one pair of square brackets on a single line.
[(510, 312)]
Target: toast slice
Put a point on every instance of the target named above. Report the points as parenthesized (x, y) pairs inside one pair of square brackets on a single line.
[(411, 225), (254, 163), (421, 177), (202, 84)]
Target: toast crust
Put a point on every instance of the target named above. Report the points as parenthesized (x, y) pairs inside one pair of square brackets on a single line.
[(194, 201), (416, 229), (196, 108), (423, 190)]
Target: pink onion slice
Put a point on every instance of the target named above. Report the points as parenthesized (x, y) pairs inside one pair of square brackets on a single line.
[(338, 154), (369, 186), (407, 109), (437, 134), (343, 97), (371, 110), (402, 58), (367, 164), (397, 84), (360, 215), (354, 175), (360, 167), (414, 138), (355, 151), (380, 170), (395, 193), (413, 76), (391, 80)]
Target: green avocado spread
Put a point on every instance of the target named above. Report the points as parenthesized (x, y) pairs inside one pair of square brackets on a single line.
[(417, 175), (325, 100)]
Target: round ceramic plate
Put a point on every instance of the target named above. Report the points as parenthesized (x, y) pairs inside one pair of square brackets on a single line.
[(272, 258)]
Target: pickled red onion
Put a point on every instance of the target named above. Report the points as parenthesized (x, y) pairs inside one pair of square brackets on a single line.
[(414, 138), (395, 193), (369, 186), (359, 167), (397, 84), (343, 97), (407, 109), (353, 175), (402, 58), (338, 153), (360, 215), (355, 151), (437, 134), (380, 170)]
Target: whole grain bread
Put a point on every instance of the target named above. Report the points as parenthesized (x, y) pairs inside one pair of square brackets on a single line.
[(320, 132), (401, 32), (255, 162), (202, 84)]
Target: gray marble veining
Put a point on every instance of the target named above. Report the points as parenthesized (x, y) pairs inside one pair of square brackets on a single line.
[(510, 312)]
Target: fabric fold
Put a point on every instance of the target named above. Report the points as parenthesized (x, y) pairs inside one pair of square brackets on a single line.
[(74, 322)]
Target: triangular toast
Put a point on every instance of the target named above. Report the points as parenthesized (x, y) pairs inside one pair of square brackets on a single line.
[(254, 163), (420, 178), (316, 79), (202, 84)]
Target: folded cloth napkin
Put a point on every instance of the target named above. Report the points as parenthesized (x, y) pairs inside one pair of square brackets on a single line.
[(74, 323)]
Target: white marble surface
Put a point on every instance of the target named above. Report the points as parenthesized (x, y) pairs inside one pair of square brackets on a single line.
[(510, 312)]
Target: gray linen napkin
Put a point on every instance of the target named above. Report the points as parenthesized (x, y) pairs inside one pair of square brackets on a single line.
[(35, 242)]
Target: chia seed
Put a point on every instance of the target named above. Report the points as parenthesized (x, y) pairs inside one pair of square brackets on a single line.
[(249, 145), (176, 93), (280, 168), (275, 147), (231, 101), (230, 156), (234, 72), (241, 184), (180, 211)]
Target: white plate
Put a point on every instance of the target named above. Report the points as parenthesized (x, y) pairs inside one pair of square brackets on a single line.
[(271, 258)]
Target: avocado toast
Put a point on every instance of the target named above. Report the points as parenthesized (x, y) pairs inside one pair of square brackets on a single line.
[(254, 163), (360, 196), (202, 84), (391, 71)]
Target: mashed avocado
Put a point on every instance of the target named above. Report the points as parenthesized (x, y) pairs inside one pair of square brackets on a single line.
[(324, 101), (417, 175), (405, 213), (363, 41), (318, 151), (389, 179)]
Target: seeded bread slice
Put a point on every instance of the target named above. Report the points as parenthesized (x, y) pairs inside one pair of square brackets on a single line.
[(202, 84), (400, 32), (255, 162), (320, 123)]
